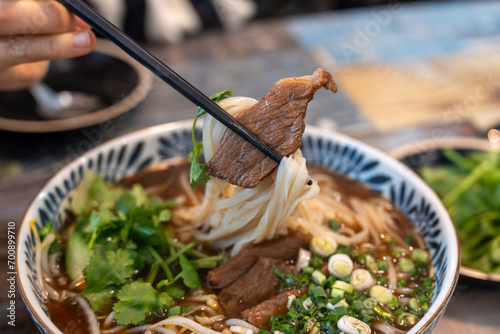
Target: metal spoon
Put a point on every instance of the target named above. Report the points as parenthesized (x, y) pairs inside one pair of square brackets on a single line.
[(52, 104)]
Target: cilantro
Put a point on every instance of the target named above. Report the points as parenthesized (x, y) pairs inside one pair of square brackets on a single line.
[(198, 171), (188, 273), (46, 230), (97, 220), (137, 300), (91, 190), (122, 233), (100, 298), (113, 269)]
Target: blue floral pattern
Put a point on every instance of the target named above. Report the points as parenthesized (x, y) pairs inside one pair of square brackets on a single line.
[(127, 155)]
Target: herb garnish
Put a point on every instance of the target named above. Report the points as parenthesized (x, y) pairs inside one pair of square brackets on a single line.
[(198, 173), (127, 251)]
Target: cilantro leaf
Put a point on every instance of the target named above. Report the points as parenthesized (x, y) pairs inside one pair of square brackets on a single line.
[(138, 299), (113, 269), (94, 189), (98, 220), (188, 273), (100, 298), (198, 172)]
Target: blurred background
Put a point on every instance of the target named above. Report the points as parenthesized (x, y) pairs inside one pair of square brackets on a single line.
[(406, 70)]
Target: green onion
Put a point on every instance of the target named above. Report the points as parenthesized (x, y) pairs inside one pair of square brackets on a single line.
[(334, 225), (340, 311), (420, 256), (393, 303), (407, 265), (382, 265), (398, 311), (407, 319), (175, 310), (402, 283), (336, 292), (381, 312), (358, 305), (382, 280), (343, 286), (319, 294), (308, 271), (318, 277), (370, 303), (279, 273), (414, 305)]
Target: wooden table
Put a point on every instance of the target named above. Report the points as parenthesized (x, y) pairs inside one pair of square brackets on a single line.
[(392, 90)]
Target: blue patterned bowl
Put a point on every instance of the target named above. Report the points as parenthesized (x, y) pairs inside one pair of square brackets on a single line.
[(129, 154)]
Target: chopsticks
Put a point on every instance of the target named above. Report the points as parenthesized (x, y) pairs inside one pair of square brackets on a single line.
[(127, 44)]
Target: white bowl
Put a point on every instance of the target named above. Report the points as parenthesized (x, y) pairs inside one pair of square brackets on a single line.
[(130, 153)]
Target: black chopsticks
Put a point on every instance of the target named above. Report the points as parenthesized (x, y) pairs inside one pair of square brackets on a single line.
[(127, 44)]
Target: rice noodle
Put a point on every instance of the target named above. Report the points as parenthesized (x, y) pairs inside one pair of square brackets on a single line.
[(79, 280), (116, 329), (202, 308), (391, 271), (89, 315), (234, 216), (242, 323), (109, 320), (182, 322), (137, 329), (41, 253), (383, 327), (53, 266), (206, 321)]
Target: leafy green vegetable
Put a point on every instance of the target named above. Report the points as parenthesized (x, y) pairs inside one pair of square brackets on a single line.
[(77, 255), (470, 188), (198, 172), (122, 234), (91, 190), (188, 273), (112, 269), (136, 300)]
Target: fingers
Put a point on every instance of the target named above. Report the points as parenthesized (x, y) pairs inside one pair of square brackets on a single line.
[(22, 76), (20, 49), (35, 17)]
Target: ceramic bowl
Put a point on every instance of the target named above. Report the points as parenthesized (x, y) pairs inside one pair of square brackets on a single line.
[(130, 153), (430, 153), (108, 73)]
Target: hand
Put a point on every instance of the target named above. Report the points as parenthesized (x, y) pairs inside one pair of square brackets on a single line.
[(32, 32)]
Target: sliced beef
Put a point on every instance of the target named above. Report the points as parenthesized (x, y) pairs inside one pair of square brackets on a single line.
[(284, 248), (278, 120), (258, 284), (260, 314)]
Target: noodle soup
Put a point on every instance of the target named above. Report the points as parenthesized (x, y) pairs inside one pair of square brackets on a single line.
[(356, 261)]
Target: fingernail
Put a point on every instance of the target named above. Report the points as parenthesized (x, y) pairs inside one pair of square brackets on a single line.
[(81, 40)]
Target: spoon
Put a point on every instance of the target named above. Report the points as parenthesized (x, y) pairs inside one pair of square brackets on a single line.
[(64, 104), (132, 48)]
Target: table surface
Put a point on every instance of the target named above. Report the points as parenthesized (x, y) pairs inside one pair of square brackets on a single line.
[(430, 58)]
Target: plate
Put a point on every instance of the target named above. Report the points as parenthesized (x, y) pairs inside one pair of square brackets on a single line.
[(107, 72)]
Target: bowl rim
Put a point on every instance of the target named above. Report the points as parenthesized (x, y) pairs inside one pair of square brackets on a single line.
[(131, 100), (461, 143), (314, 131)]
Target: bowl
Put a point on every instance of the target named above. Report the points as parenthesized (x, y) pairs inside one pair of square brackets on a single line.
[(429, 153), (129, 154), (115, 78)]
